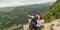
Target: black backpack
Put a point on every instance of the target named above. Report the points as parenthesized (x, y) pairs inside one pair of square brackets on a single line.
[(34, 21)]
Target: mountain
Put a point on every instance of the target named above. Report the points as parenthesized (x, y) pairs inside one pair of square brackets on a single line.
[(7, 9), (11, 17), (33, 8), (52, 12)]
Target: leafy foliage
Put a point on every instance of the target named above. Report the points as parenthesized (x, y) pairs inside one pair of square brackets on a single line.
[(52, 12)]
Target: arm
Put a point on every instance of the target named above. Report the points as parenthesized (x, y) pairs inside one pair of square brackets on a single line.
[(38, 25), (42, 22), (30, 16)]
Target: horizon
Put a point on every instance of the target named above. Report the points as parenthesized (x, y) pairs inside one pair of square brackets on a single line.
[(10, 3)]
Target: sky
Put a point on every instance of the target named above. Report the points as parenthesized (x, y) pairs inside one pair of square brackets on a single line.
[(9, 3)]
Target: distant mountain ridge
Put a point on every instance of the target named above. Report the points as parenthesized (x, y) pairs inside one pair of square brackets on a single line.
[(7, 9)]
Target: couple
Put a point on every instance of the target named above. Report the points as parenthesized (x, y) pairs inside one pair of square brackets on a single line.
[(37, 23)]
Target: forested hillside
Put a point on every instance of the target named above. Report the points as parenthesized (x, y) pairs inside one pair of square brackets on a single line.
[(11, 17), (6, 9), (52, 12)]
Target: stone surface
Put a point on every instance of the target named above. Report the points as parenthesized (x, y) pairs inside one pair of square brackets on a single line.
[(54, 25)]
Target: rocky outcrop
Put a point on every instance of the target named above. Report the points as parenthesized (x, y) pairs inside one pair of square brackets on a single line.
[(54, 25)]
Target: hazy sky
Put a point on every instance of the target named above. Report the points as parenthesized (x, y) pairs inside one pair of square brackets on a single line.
[(8, 3)]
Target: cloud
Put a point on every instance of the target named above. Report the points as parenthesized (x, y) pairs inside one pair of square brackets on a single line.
[(9, 3)]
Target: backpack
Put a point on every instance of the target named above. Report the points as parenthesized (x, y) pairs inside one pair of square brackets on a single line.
[(34, 21)]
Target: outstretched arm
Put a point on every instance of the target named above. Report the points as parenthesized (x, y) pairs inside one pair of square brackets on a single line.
[(30, 16)]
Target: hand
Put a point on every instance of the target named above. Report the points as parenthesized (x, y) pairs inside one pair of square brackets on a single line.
[(37, 25)]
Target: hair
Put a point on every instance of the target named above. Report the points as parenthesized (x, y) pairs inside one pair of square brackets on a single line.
[(40, 15)]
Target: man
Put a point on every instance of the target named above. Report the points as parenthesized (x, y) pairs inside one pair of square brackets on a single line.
[(33, 22)]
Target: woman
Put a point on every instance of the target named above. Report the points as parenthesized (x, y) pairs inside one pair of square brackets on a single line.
[(40, 23)]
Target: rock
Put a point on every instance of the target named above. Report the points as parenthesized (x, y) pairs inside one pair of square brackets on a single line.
[(54, 25)]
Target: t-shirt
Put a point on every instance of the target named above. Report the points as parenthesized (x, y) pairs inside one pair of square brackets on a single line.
[(32, 17), (40, 21)]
